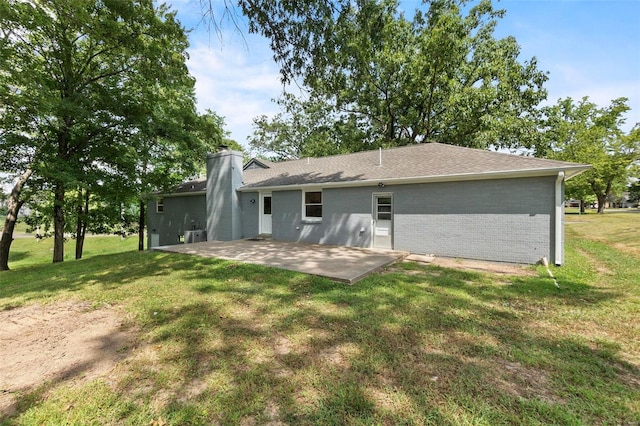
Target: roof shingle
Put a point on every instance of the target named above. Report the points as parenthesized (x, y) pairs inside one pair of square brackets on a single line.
[(430, 160)]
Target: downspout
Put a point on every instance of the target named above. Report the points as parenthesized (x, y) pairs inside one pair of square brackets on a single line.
[(559, 221)]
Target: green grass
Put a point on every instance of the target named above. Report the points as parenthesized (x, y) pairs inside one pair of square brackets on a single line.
[(228, 343)]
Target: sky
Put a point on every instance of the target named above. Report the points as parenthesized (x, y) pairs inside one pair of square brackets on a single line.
[(588, 47)]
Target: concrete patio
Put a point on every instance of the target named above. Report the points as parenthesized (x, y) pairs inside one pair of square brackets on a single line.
[(346, 264)]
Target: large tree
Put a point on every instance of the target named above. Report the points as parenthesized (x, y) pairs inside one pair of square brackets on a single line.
[(68, 102), (175, 141), (583, 132), (440, 76)]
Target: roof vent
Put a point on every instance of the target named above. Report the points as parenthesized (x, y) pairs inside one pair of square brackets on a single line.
[(222, 147)]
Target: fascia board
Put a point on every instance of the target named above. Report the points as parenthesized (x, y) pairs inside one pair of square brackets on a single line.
[(182, 194)]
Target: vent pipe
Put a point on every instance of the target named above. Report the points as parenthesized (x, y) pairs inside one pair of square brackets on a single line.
[(380, 156)]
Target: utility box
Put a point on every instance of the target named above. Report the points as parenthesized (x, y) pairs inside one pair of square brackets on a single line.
[(195, 236)]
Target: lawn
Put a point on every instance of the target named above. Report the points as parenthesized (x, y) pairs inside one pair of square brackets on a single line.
[(228, 343)]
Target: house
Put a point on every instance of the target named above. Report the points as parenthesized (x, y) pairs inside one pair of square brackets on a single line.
[(427, 198)]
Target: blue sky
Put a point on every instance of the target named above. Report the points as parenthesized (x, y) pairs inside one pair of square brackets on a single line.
[(589, 47)]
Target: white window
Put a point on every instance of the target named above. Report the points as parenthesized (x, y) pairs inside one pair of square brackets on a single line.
[(312, 206), (160, 205)]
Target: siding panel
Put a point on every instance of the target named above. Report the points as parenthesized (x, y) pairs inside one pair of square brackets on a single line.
[(180, 214), (508, 220)]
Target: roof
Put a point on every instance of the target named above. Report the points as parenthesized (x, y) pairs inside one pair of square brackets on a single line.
[(198, 185), (255, 163), (414, 163)]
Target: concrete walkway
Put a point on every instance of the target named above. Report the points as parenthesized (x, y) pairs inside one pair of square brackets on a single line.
[(347, 264)]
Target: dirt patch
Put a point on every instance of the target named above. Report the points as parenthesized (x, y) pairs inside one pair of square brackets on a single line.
[(524, 382), (55, 343), (498, 268)]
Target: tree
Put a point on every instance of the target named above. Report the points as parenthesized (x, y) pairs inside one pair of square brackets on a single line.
[(441, 76), (585, 133), (176, 140), (69, 104), (308, 128), (3, 200), (634, 191)]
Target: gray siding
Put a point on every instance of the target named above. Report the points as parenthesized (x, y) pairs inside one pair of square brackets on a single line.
[(250, 212), (346, 217), (224, 176), (510, 220), (180, 214)]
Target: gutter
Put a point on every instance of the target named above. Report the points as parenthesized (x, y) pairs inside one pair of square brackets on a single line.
[(181, 194), (559, 220)]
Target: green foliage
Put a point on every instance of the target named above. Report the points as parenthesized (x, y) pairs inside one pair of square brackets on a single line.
[(385, 80), (98, 102), (304, 129), (585, 133)]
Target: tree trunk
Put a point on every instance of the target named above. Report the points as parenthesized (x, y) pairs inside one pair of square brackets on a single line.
[(581, 206), (81, 226), (15, 203), (58, 223), (141, 222), (602, 200)]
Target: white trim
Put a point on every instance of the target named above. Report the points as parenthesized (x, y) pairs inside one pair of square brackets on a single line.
[(261, 196), (311, 219), (159, 202), (559, 216), (568, 173), (374, 211), (182, 194)]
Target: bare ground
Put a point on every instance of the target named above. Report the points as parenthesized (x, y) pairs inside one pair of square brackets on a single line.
[(61, 342), (498, 268)]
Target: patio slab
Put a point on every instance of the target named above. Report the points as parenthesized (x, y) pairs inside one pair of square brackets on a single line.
[(346, 264)]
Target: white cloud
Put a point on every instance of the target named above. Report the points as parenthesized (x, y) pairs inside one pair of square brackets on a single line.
[(235, 82), (576, 82)]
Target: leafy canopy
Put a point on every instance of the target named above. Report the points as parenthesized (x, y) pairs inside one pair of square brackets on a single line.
[(388, 80), (582, 132)]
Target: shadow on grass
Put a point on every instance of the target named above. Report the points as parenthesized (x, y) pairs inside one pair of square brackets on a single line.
[(106, 271), (243, 344), (392, 350), (16, 256)]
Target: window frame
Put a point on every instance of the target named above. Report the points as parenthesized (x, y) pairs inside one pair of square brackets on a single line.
[(312, 219), (160, 205)]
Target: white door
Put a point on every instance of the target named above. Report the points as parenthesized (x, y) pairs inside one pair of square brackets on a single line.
[(265, 213), (383, 221), (155, 240)]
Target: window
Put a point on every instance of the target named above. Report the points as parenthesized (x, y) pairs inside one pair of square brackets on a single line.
[(383, 208), (160, 205), (312, 205), (266, 207)]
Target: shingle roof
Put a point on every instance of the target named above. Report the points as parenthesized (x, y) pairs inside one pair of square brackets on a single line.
[(428, 161), (198, 185)]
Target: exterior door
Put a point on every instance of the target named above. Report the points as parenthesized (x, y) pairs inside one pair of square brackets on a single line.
[(265, 214), (383, 221)]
